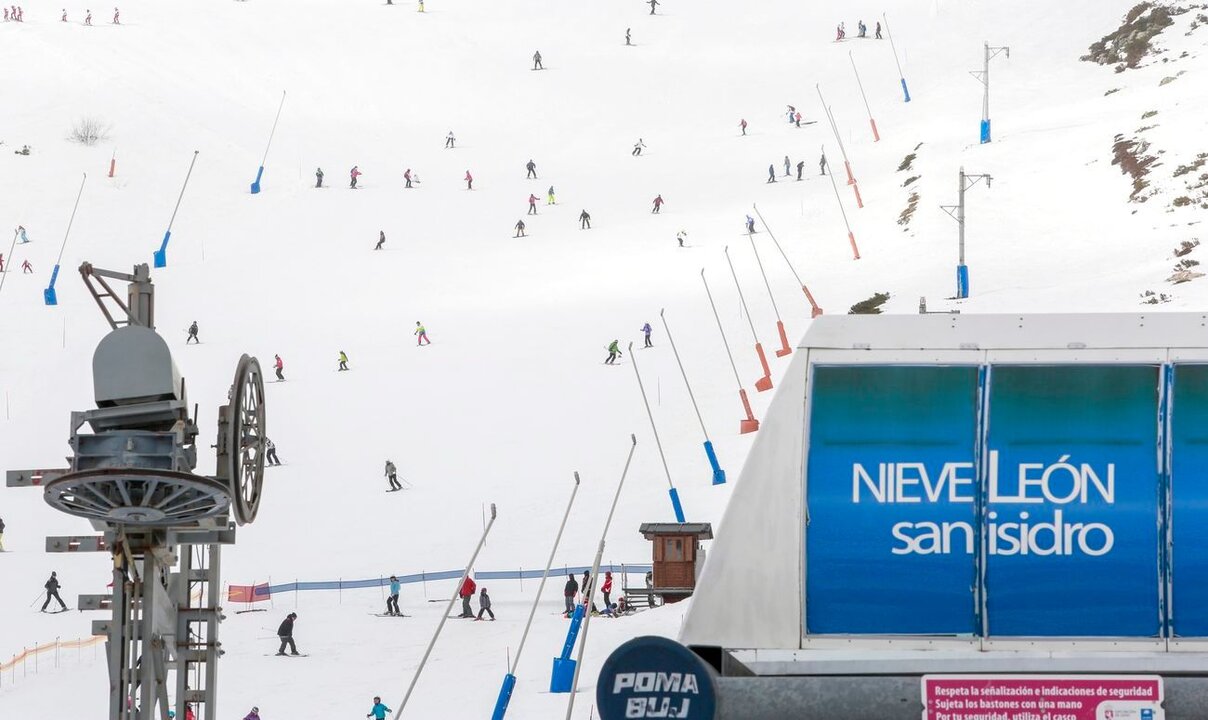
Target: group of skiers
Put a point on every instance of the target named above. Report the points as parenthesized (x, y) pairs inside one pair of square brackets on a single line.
[(22, 238), (421, 334), (26, 268), (575, 593), (861, 30), (14, 14), (18, 15), (466, 593), (614, 347), (418, 9), (270, 449), (788, 168)]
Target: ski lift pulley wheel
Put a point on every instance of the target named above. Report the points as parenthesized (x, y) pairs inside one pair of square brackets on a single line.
[(245, 440)]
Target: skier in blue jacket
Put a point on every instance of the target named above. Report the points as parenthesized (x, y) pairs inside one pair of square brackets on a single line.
[(379, 710), (646, 330), (392, 601)]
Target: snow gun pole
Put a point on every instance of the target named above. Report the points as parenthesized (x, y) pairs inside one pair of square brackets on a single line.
[(851, 237), (815, 311), (765, 382), (830, 118), (905, 90), (719, 475), (11, 247), (161, 255), (260, 172), (784, 340), (49, 295), (675, 499), (509, 680), (113, 162), (750, 424), (851, 179), (876, 136), (595, 571), (445, 616)]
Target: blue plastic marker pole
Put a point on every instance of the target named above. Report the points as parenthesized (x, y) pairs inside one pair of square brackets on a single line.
[(595, 572), (563, 676), (509, 680), (675, 503), (905, 91), (719, 475), (161, 255), (962, 281), (49, 295), (260, 172)]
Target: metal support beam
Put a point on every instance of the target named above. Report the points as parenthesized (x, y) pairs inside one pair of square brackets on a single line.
[(983, 76), (957, 212), (77, 543), (32, 478)]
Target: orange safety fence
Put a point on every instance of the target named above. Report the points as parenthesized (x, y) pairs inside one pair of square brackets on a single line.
[(29, 659)]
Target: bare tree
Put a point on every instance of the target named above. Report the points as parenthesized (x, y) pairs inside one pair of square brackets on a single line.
[(89, 131)]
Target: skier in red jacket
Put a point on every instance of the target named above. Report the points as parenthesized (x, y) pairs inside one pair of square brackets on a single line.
[(279, 366), (658, 204), (606, 588), (469, 181), (466, 592), (532, 204), (353, 175)]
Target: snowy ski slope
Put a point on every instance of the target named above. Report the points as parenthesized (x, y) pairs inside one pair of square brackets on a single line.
[(511, 396)]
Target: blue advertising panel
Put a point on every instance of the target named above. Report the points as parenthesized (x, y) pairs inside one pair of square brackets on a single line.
[(1189, 488), (1071, 485), (889, 495)]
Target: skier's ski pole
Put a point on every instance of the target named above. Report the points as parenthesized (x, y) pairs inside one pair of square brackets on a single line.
[(445, 616), (595, 570), (509, 680)]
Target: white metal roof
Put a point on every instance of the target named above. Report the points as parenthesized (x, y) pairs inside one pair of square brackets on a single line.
[(1024, 332)]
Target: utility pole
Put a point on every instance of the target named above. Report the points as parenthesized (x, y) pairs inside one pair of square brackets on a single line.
[(957, 212), (984, 77)]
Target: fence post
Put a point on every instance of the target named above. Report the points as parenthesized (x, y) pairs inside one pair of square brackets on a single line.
[(423, 580), (295, 593), (340, 590), (56, 651), (521, 589)]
